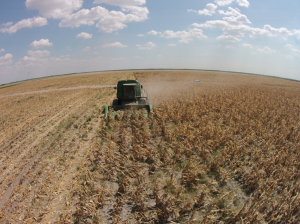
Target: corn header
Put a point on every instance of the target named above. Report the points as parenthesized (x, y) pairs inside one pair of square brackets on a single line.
[(130, 96)]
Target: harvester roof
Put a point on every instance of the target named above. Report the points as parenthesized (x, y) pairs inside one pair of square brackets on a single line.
[(129, 84)]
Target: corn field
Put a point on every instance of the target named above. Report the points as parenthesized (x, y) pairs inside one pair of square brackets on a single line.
[(226, 157), (223, 150)]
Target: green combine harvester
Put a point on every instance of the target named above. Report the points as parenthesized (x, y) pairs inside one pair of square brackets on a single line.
[(131, 96)]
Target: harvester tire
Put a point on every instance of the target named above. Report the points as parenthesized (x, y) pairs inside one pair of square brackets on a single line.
[(115, 102)]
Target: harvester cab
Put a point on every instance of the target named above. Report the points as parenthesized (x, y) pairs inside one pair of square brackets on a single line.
[(130, 95)]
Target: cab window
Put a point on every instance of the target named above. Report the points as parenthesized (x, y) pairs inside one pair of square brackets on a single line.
[(129, 91)]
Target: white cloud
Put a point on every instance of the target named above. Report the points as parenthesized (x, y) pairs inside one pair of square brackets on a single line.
[(266, 50), (153, 32), (185, 36), (140, 35), (84, 17), (35, 57), (171, 45), (289, 57), (297, 33), (116, 44), (285, 38), (6, 59), (7, 24), (192, 10), (147, 46), (210, 9), (243, 3), (237, 20), (84, 35), (109, 21), (229, 46), (231, 12), (115, 20), (296, 52), (138, 11), (288, 46), (121, 3), (235, 24), (38, 53), (223, 2), (55, 9), (241, 29), (280, 31), (2, 50), (86, 49), (29, 23), (41, 43), (247, 45), (228, 38)]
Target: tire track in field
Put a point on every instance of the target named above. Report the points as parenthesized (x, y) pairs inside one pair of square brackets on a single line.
[(41, 123), (8, 145), (21, 200), (16, 181), (25, 131), (53, 166), (44, 129), (60, 89), (65, 186), (55, 206), (37, 171)]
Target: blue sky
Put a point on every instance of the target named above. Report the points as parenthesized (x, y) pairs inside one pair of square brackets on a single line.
[(51, 37)]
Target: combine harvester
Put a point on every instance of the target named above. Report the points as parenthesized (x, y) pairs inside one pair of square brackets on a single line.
[(131, 96)]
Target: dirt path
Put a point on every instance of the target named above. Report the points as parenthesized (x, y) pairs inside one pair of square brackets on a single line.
[(60, 89)]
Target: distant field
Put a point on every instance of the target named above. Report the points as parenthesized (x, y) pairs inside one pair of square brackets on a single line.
[(64, 81), (225, 149)]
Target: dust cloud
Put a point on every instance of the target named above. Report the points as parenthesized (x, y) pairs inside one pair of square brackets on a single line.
[(162, 92), (165, 86)]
